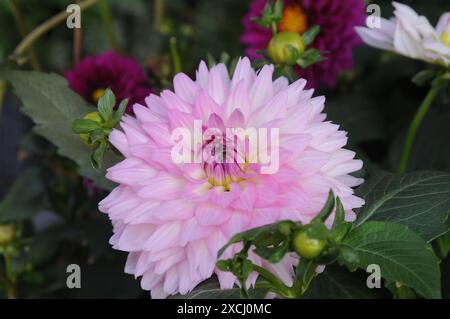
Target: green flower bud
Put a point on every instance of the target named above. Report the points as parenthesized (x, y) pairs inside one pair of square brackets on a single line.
[(93, 116), (7, 233), (286, 47), (306, 246)]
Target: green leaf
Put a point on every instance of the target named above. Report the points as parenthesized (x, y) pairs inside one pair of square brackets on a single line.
[(120, 112), (423, 77), (327, 208), (273, 254), (106, 105), (24, 198), (348, 256), (98, 154), (96, 136), (50, 103), (81, 126), (340, 231), (249, 235), (444, 243), (317, 231), (419, 200), (310, 57), (211, 290), (338, 283), (339, 216), (310, 35), (402, 255)]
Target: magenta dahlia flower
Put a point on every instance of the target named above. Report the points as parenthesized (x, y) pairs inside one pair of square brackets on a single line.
[(124, 76), (173, 217), (337, 20)]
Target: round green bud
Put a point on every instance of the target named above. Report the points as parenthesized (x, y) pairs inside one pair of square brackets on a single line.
[(283, 45), (93, 116), (7, 233), (306, 246)]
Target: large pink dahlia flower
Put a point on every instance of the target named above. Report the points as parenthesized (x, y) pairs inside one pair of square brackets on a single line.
[(173, 218)]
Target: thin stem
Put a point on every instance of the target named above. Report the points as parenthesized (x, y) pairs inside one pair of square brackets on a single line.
[(282, 289), (107, 20), (412, 130), (23, 32), (11, 289), (176, 60), (2, 94), (76, 43), (48, 25), (274, 28), (159, 15)]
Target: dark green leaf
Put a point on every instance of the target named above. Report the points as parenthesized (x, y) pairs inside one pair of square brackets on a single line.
[(81, 126), (249, 235), (106, 105), (340, 231), (211, 290), (48, 100), (327, 208), (338, 283), (310, 57), (418, 200), (402, 255), (310, 35), (273, 254), (96, 136), (120, 112), (423, 77), (317, 231), (349, 257), (97, 155), (339, 214)]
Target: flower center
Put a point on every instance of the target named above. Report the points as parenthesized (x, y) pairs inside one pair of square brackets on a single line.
[(223, 167), (445, 36), (294, 19), (97, 94)]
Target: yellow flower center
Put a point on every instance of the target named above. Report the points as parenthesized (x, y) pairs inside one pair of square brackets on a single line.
[(294, 19), (97, 94), (445, 37)]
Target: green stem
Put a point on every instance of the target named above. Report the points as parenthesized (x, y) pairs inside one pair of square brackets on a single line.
[(107, 20), (158, 15), (11, 289), (23, 32), (76, 43), (48, 25), (176, 60), (282, 289), (274, 28), (305, 273), (412, 130)]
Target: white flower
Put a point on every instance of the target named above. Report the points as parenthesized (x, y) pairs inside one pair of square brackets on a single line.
[(411, 35)]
